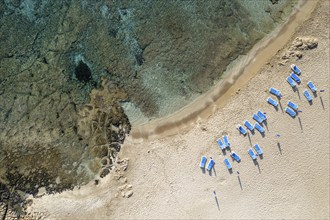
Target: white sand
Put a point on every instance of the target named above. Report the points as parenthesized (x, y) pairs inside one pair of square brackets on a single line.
[(290, 182)]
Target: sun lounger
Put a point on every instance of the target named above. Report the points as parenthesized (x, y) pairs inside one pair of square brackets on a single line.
[(272, 102), (235, 156), (262, 115), (308, 96), (259, 128), (275, 92), (252, 154), (221, 144), (241, 130), (291, 82), (290, 112), (225, 139), (257, 118), (249, 125), (227, 164), (258, 149), (295, 69), (311, 86), (210, 165), (293, 105), (203, 162), (295, 77)]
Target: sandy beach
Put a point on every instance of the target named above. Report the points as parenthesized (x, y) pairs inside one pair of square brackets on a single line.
[(163, 180)]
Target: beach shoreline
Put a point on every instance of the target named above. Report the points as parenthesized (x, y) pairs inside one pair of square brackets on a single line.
[(236, 77), (163, 178)]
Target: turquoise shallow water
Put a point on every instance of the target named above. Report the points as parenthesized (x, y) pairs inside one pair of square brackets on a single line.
[(74, 76)]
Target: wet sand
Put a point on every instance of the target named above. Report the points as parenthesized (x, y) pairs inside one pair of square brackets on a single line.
[(291, 181)]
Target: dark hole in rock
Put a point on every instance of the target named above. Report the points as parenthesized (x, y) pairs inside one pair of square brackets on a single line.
[(83, 72), (139, 58)]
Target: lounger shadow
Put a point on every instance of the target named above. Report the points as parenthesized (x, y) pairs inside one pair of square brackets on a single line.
[(257, 164), (266, 124)]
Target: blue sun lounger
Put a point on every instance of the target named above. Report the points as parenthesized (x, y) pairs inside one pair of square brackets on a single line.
[(241, 130), (259, 128), (249, 125), (203, 162), (235, 156), (295, 69), (275, 92), (227, 164), (292, 105), (308, 96), (291, 82), (272, 102), (252, 154), (258, 149), (311, 86), (225, 139), (295, 77), (210, 165), (257, 118), (221, 144), (290, 112), (262, 115)]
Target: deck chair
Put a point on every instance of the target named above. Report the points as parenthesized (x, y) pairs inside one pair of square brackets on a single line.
[(272, 102), (259, 128), (227, 164), (235, 156), (252, 154), (295, 69), (203, 162), (257, 118), (291, 82), (225, 139), (241, 130), (262, 115), (275, 92), (295, 77), (293, 105), (210, 165), (258, 149), (249, 125), (290, 112), (308, 96), (221, 144), (311, 86)]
